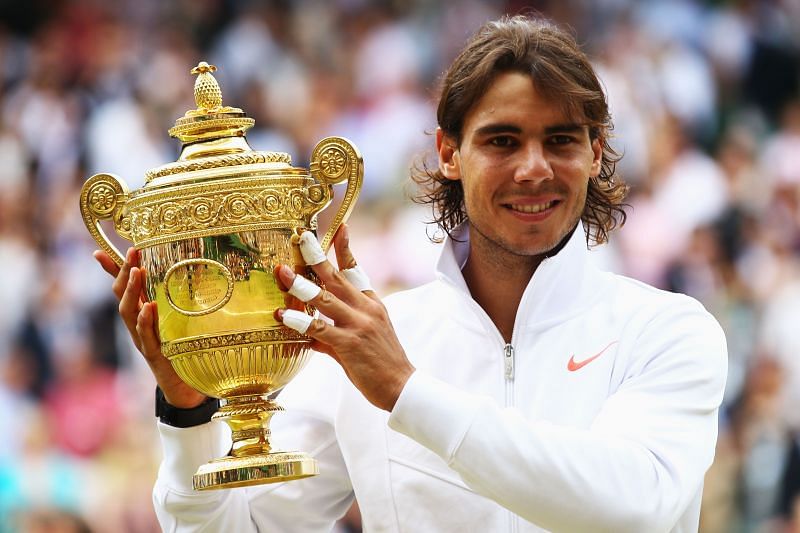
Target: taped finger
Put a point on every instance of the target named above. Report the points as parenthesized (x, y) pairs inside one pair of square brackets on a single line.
[(311, 249), (357, 278), (303, 289), (297, 320)]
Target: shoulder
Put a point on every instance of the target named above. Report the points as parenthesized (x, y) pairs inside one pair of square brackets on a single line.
[(645, 303), (666, 329)]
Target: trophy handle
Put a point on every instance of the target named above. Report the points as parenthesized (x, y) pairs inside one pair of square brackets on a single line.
[(334, 160), (103, 197)]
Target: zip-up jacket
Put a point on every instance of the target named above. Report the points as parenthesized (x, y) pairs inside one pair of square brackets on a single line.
[(599, 415)]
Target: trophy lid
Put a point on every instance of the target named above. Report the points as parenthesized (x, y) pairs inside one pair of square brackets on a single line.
[(213, 135), (211, 119)]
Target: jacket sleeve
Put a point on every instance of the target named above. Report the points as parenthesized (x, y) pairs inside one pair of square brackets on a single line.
[(637, 468), (308, 505)]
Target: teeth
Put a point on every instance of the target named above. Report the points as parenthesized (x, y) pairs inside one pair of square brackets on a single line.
[(532, 208)]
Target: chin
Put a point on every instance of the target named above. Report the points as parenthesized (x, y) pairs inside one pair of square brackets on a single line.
[(539, 245), (528, 249)]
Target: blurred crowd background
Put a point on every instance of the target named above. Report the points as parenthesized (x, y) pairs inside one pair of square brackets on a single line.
[(706, 100)]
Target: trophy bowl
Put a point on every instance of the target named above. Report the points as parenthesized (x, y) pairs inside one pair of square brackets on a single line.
[(210, 228)]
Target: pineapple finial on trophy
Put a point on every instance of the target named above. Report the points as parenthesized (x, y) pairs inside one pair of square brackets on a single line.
[(211, 119), (207, 94)]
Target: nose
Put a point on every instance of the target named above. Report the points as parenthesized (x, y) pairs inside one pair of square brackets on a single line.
[(534, 165)]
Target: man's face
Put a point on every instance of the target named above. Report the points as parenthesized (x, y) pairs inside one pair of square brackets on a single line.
[(524, 166)]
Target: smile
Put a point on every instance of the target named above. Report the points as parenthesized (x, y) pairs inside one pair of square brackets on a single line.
[(532, 208)]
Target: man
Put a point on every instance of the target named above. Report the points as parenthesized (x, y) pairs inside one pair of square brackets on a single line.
[(523, 390)]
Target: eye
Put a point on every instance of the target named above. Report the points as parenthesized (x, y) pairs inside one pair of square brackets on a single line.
[(502, 141), (561, 139)]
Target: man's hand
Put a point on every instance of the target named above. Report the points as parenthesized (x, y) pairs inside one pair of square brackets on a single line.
[(141, 319), (361, 338)]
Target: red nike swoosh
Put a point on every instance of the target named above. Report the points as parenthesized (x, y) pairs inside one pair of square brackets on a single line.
[(573, 365)]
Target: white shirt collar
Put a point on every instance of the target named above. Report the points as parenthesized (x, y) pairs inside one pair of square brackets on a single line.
[(560, 286)]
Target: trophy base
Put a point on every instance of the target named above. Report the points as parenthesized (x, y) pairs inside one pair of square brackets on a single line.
[(230, 472)]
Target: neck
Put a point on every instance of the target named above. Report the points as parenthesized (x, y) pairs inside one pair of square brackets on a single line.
[(497, 280)]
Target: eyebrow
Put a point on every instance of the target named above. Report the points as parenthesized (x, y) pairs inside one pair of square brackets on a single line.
[(564, 128), (492, 129)]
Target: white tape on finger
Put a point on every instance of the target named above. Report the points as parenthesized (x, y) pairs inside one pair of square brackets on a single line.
[(303, 289), (297, 320), (311, 249), (358, 278)]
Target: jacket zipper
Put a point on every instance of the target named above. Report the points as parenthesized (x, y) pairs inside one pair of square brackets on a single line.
[(508, 366)]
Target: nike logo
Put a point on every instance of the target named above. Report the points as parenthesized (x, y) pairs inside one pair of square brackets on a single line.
[(574, 365)]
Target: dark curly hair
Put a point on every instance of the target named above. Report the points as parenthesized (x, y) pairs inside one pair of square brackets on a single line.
[(562, 73)]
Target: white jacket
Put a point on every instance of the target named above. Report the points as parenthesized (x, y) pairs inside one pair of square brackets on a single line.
[(600, 415)]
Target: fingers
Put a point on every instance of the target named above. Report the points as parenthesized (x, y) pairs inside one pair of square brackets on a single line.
[(297, 320), (121, 281), (314, 328), (311, 249), (303, 289), (308, 292), (106, 262), (321, 331), (358, 278), (316, 259), (351, 271), (141, 319), (130, 303), (290, 302), (176, 392), (341, 244), (127, 286), (146, 328), (333, 280), (342, 299)]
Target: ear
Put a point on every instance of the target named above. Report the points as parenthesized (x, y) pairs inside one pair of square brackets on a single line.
[(597, 160), (449, 158)]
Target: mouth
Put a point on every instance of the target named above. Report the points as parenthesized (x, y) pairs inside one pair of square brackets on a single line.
[(530, 209)]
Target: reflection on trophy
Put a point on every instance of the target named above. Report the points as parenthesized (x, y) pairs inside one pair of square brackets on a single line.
[(210, 228)]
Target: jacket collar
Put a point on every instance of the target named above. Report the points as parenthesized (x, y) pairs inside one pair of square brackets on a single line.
[(561, 286)]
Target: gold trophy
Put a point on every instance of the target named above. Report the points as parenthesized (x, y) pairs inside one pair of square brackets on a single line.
[(210, 228)]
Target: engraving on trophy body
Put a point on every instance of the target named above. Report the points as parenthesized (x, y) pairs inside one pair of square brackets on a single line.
[(198, 286)]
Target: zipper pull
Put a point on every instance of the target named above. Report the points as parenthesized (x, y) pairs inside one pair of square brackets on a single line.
[(508, 360)]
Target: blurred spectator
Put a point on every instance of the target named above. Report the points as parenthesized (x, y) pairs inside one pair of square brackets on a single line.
[(688, 185), (81, 403), (779, 336)]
